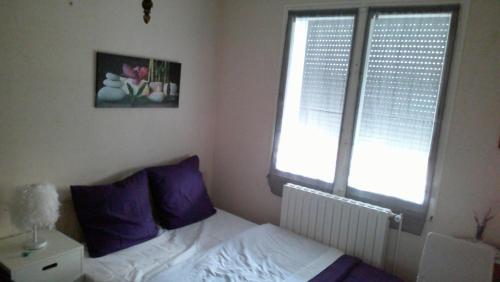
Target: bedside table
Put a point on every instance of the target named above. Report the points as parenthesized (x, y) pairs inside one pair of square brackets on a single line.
[(61, 260)]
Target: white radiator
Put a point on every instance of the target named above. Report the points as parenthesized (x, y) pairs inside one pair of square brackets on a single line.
[(356, 228)]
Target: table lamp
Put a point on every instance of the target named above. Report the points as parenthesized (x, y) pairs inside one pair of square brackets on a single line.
[(33, 207)]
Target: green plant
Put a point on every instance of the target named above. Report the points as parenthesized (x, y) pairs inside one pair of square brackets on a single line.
[(133, 95), (158, 71)]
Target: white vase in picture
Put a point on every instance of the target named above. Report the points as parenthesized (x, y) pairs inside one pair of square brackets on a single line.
[(155, 86), (156, 97), (173, 88), (165, 88)]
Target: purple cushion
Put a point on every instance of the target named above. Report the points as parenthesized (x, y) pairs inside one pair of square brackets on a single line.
[(191, 162), (115, 216), (364, 272), (350, 269), (179, 194), (338, 270)]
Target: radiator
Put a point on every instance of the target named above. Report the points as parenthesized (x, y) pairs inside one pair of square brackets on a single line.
[(356, 228)]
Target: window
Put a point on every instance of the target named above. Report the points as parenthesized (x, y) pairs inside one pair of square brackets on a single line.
[(400, 95)]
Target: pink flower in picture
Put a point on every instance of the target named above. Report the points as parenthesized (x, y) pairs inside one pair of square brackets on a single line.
[(136, 74)]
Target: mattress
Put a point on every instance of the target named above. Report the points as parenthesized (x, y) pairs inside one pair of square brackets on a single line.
[(171, 247), (270, 253), (262, 253)]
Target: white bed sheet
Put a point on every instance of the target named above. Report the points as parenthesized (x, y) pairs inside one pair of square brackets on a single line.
[(146, 260), (263, 253)]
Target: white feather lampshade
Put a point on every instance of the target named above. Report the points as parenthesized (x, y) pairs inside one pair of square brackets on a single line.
[(35, 206)]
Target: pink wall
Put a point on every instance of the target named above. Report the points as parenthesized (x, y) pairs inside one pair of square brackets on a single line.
[(249, 66), (250, 46)]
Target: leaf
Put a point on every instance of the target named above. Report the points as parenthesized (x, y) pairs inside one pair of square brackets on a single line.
[(130, 89), (132, 101), (139, 91)]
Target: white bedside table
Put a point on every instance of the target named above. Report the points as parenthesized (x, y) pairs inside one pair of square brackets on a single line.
[(61, 260)]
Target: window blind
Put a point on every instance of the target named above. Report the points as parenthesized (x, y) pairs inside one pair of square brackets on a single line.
[(326, 66), (405, 58), (319, 55)]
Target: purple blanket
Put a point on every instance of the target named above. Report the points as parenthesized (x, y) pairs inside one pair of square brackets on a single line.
[(351, 269)]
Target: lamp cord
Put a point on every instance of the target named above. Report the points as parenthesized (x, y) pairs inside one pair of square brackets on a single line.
[(35, 234)]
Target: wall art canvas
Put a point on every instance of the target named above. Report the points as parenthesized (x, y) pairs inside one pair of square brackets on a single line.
[(132, 82)]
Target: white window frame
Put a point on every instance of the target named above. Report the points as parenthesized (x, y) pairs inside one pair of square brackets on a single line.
[(352, 93)]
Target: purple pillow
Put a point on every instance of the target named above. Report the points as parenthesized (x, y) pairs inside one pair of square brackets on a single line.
[(115, 216), (191, 162), (179, 194)]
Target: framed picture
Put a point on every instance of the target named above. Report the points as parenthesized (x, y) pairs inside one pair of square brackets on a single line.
[(132, 82)]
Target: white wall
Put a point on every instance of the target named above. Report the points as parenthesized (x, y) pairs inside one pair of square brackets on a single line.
[(49, 128), (249, 54)]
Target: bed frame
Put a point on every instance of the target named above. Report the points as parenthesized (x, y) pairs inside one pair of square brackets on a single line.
[(354, 227)]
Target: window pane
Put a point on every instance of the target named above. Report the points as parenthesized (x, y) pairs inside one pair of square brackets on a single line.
[(319, 55), (398, 104)]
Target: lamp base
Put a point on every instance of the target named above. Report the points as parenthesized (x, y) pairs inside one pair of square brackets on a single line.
[(35, 245)]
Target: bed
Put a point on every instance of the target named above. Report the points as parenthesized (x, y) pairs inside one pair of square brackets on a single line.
[(321, 237), (225, 247), (144, 261)]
